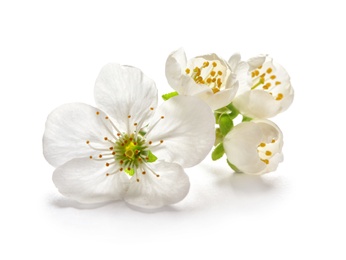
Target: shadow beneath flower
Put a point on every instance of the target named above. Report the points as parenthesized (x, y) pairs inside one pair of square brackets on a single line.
[(150, 211), (250, 184), (62, 202)]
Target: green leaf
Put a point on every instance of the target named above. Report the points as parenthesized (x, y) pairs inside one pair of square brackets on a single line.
[(234, 168), (218, 152), (130, 172), (151, 157), (226, 124), (169, 95)]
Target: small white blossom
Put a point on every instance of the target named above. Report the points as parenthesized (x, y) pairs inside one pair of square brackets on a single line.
[(208, 77), (127, 148), (264, 88), (254, 147)]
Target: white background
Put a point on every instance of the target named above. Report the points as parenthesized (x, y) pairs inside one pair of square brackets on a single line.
[(51, 53)]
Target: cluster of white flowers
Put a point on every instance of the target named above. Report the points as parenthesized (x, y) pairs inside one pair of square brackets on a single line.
[(128, 148), (256, 89)]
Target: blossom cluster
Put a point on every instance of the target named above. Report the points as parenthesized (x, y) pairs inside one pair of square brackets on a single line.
[(129, 148), (247, 91)]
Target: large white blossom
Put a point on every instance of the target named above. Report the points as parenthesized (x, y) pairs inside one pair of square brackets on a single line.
[(264, 87), (208, 77), (127, 148), (254, 147)]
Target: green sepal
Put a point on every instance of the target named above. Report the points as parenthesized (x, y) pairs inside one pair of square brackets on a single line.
[(234, 112), (218, 152), (218, 136), (169, 95), (246, 119), (130, 172), (151, 157), (234, 168), (226, 124)]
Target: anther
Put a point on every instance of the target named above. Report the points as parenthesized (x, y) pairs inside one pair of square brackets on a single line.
[(162, 117), (143, 172), (157, 175), (266, 161), (213, 73), (118, 134), (121, 169), (135, 124), (280, 96), (205, 64), (161, 141), (137, 180), (106, 117), (129, 169), (268, 153), (277, 83), (106, 138), (100, 155), (111, 148), (272, 77), (269, 70), (97, 113), (113, 153), (129, 116), (187, 71), (273, 141), (262, 145), (121, 162), (107, 164), (107, 174), (87, 142), (90, 157), (219, 72), (214, 64), (150, 142), (151, 108)]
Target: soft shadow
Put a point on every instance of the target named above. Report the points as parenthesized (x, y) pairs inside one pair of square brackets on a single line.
[(151, 211), (249, 184), (62, 202)]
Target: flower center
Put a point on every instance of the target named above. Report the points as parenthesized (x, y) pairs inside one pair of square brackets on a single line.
[(266, 77), (264, 151), (123, 151), (209, 73)]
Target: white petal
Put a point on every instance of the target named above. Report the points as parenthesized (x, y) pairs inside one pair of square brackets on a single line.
[(151, 191), (234, 61), (240, 146), (175, 64), (85, 181), (222, 98), (68, 127), (257, 61), (187, 131), (123, 91), (257, 104)]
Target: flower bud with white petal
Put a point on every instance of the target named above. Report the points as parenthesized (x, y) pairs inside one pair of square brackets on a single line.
[(264, 90), (208, 77), (254, 147)]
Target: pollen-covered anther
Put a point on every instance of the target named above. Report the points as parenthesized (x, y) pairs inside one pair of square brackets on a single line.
[(262, 144), (137, 180), (118, 134), (105, 138), (273, 141), (150, 142), (106, 117), (267, 86), (151, 108), (100, 155), (161, 141), (279, 96), (268, 153), (129, 116), (272, 77), (269, 70), (90, 157), (187, 71), (121, 169), (135, 124), (162, 117), (97, 112), (107, 164), (143, 172), (87, 142), (266, 161)]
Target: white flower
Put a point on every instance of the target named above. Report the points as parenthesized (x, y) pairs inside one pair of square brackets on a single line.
[(254, 147), (264, 89), (207, 77), (126, 148)]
